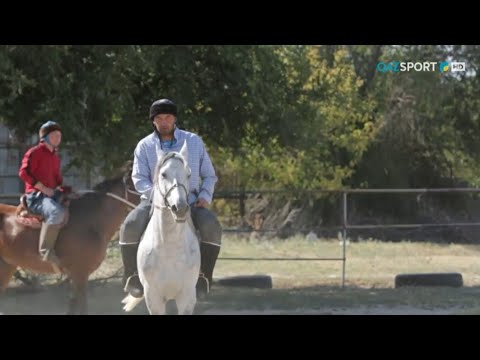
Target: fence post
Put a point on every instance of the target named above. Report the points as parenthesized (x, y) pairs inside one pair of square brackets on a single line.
[(242, 204), (344, 236)]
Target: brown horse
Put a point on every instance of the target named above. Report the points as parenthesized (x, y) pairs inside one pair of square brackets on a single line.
[(81, 246)]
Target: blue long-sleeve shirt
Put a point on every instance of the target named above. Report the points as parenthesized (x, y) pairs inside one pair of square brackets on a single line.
[(203, 178)]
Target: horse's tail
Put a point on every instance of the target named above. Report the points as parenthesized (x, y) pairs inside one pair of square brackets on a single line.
[(131, 302)]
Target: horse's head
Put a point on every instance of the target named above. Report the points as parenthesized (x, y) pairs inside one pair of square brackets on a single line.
[(171, 183)]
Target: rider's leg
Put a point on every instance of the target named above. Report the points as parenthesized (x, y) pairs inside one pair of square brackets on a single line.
[(130, 234), (210, 230), (54, 215)]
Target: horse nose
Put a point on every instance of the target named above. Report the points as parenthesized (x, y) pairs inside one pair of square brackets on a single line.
[(174, 208), (181, 209)]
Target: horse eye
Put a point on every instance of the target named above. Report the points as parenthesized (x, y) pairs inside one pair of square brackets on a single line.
[(164, 175)]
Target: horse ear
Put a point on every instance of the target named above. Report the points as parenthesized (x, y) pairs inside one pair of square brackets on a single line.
[(184, 151)]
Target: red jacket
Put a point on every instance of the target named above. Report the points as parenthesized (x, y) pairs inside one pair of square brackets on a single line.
[(40, 164)]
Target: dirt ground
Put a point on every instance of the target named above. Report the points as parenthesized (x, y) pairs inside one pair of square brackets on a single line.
[(105, 299), (373, 310)]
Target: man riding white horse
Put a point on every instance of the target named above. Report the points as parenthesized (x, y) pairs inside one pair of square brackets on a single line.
[(169, 252), (167, 137)]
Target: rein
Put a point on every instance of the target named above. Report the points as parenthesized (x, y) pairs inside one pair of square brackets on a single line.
[(126, 202), (116, 197)]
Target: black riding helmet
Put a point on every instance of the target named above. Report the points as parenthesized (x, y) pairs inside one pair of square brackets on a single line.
[(163, 106), (47, 128)]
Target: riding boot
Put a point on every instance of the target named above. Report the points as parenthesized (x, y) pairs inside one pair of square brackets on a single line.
[(46, 246), (131, 280), (209, 254)]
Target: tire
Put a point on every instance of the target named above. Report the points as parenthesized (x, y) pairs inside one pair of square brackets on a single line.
[(429, 279), (255, 281)]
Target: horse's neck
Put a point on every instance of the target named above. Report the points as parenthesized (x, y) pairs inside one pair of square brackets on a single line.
[(116, 214), (165, 226)]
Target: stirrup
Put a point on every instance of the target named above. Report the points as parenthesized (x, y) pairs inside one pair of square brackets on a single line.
[(203, 285), (133, 286)]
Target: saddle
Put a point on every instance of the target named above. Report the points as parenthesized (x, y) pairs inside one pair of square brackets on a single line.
[(26, 217)]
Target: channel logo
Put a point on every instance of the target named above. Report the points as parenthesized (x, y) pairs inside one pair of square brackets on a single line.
[(458, 66), (429, 66), (443, 66)]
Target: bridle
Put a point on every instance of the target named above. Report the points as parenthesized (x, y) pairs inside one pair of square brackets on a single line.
[(165, 196), (167, 193), (127, 189), (125, 201)]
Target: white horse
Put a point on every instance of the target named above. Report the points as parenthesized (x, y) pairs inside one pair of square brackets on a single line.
[(168, 256)]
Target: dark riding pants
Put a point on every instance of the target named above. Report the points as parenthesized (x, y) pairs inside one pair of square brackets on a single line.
[(136, 222)]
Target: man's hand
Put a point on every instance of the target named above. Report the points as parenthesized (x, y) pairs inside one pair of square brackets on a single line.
[(201, 202), (65, 189), (48, 191), (44, 189)]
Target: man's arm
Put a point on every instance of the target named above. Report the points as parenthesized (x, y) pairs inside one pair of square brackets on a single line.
[(30, 164), (208, 176), (141, 173), (25, 171), (58, 174)]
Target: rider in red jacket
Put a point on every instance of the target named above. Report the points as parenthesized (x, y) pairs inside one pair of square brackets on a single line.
[(40, 164), (41, 173)]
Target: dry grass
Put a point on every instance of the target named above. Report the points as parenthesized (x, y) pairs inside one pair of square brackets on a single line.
[(369, 264), (371, 268)]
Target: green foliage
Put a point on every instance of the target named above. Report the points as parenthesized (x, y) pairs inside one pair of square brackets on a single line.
[(254, 164), (341, 124), (273, 117), (429, 123)]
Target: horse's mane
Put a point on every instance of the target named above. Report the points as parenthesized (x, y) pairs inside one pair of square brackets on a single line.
[(107, 184), (121, 174), (162, 161), (92, 200)]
